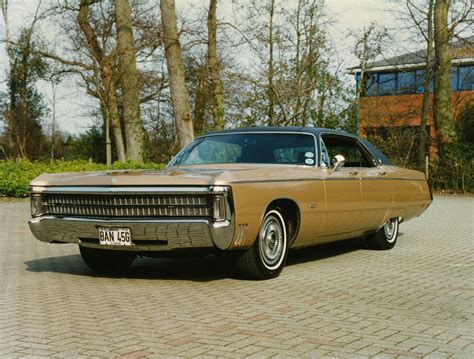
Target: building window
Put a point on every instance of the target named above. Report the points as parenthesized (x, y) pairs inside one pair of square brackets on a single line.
[(387, 84), (399, 83), (454, 79), (406, 82), (419, 81), (371, 85), (466, 78), (357, 78)]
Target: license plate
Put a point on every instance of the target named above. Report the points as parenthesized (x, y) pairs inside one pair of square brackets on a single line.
[(115, 236)]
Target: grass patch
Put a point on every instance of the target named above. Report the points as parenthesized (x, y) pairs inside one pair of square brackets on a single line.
[(15, 176)]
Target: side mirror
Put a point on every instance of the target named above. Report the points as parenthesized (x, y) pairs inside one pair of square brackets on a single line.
[(338, 162)]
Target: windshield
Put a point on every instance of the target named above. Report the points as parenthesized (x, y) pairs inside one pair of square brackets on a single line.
[(267, 148)]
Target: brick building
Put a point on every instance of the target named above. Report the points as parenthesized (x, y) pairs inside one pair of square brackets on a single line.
[(394, 89)]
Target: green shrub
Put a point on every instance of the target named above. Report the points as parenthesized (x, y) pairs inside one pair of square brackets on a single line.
[(15, 176)]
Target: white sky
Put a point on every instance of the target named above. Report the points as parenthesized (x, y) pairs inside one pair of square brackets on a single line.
[(348, 15)]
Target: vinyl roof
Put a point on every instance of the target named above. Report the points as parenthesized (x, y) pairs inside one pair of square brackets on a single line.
[(313, 130)]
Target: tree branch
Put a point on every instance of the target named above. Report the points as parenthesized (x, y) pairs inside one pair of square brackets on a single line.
[(413, 17), (64, 61), (82, 19), (247, 40)]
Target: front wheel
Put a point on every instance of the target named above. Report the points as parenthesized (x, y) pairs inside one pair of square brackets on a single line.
[(103, 260), (267, 256), (385, 237)]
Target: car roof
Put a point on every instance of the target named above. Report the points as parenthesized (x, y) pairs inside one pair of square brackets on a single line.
[(313, 130)]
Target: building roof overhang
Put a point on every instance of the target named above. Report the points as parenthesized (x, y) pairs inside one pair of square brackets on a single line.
[(406, 67)]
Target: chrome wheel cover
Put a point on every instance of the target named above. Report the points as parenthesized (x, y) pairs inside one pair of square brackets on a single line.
[(272, 240), (391, 230)]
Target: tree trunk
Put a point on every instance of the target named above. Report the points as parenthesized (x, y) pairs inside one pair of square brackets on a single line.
[(112, 115), (53, 126), (442, 105), (8, 46), (308, 60), (129, 81), (320, 114), (422, 146), (174, 63), (105, 115), (200, 102), (298, 71), (270, 71), (107, 74), (214, 68), (360, 91)]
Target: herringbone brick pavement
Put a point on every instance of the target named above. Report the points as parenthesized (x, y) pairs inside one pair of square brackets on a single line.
[(337, 300)]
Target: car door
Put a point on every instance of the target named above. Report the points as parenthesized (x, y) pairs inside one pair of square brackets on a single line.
[(344, 208), (377, 189)]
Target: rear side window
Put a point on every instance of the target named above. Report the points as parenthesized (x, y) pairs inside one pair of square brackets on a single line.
[(353, 152), (379, 156)]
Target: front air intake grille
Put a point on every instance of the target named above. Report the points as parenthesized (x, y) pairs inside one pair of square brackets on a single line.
[(128, 205)]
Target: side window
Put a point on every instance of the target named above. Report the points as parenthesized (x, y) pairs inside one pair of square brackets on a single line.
[(355, 155)]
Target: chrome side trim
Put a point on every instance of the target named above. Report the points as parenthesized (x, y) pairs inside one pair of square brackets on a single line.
[(331, 179), (118, 189)]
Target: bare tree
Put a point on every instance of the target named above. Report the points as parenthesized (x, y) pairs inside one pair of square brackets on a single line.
[(129, 81), (419, 16), (174, 62), (291, 79), (451, 18), (368, 45), (200, 100), (89, 52), (54, 88), (442, 104), (108, 76), (214, 67), (271, 70), (8, 41)]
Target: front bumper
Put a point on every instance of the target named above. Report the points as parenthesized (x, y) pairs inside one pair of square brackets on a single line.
[(147, 234)]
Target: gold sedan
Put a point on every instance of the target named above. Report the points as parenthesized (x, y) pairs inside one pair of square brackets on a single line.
[(253, 193)]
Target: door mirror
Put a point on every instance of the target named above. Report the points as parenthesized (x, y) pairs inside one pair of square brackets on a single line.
[(338, 161)]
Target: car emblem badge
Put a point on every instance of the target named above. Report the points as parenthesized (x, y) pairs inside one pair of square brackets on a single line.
[(114, 180)]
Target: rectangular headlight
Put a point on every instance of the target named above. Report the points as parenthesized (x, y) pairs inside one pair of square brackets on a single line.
[(36, 204)]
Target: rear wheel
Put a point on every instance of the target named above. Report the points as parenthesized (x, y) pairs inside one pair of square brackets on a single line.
[(267, 256), (103, 260), (385, 237)]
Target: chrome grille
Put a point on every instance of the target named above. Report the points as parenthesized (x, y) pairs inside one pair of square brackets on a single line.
[(128, 205)]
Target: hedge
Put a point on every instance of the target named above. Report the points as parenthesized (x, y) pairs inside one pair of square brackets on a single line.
[(15, 176)]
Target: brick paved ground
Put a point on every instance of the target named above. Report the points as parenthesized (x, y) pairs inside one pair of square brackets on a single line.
[(337, 300)]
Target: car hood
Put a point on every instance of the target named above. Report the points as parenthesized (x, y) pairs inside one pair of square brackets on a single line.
[(175, 176)]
